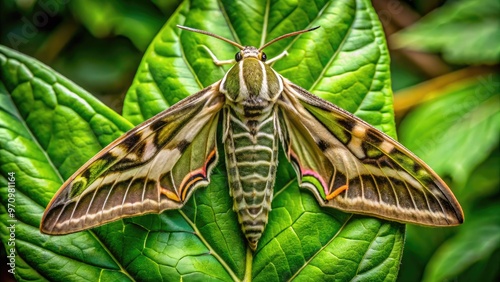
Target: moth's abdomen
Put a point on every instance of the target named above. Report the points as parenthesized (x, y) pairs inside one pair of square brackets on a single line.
[(251, 158)]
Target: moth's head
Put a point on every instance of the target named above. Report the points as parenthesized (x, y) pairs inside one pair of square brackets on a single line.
[(250, 83), (250, 52)]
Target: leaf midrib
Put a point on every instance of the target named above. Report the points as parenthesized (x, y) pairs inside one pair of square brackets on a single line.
[(320, 250)]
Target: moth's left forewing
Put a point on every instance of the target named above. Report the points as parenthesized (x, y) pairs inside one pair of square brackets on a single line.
[(351, 166)]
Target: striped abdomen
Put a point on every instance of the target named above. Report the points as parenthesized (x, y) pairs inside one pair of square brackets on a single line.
[(251, 147), (251, 139)]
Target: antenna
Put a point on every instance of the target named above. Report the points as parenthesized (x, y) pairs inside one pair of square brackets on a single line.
[(287, 35), (241, 47)]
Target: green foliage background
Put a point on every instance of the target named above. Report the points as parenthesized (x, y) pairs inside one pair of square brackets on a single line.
[(99, 46)]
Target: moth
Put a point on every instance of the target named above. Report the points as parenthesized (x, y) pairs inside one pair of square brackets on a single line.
[(345, 162)]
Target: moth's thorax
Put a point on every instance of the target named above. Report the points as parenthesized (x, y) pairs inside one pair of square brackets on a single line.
[(251, 87)]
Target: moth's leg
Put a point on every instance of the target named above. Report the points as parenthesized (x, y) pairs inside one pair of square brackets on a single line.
[(217, 61), (283, 54), (336, 192), (225, 124)]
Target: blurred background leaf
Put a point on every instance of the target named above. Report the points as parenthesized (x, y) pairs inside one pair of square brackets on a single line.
[(447, 110), (460, 31), (70, 36), (465, 118)]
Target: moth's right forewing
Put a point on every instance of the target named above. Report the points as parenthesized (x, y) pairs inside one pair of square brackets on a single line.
[(350, 165)]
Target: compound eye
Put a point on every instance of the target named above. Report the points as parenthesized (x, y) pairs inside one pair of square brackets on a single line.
[(263, 57), (238, 57)]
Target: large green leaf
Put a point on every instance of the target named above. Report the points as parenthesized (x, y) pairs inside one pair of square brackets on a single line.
[(50, 127)]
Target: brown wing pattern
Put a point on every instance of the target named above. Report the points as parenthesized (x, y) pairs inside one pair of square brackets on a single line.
[(351, 166)]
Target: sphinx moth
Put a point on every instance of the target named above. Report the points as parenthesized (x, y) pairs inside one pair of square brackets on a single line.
[(345, 162)]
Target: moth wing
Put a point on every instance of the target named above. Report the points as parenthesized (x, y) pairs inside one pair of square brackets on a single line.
[(153, 167), (352, 166)]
